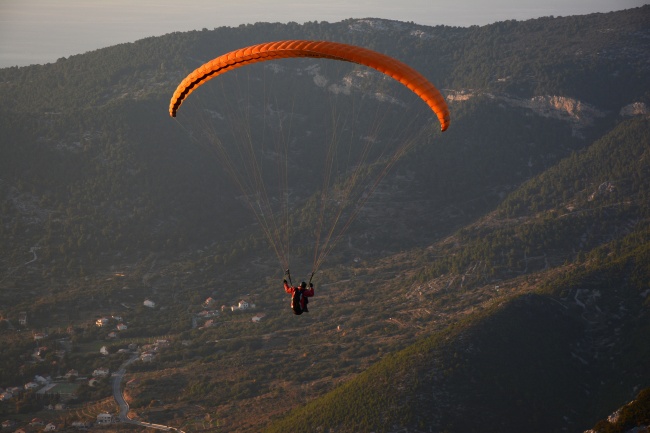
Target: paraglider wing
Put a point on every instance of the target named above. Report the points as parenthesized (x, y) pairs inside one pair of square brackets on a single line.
[(320, 49)]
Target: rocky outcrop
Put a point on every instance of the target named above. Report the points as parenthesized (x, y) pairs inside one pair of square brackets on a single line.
[(574, 111), (635, 109)]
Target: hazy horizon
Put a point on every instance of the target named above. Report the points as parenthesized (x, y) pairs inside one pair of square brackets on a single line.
[(41, 31)]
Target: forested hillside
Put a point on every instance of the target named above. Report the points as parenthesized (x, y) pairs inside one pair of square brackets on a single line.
[(494, 278), (572, 308)]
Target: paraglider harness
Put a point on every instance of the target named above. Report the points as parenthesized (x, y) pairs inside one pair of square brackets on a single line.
[(296, 296)]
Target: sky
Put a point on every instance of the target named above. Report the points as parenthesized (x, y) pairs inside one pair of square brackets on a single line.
[(42, 31)]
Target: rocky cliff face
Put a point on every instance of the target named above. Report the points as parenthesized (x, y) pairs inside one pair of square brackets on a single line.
[(635, 109), (579, 114)]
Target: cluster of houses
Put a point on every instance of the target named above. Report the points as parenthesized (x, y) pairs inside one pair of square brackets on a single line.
[(149, 351), (241, 305), (37, 424), (45, 384), (36, 384), (116, 323), (107, 322), (209, 312)]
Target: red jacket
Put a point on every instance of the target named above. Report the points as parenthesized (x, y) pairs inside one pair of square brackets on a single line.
[(307, 293)]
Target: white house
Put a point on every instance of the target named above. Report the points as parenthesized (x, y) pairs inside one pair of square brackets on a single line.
[(104, 350), (121, 327), (50, 427), (42, 380), (104, 418), (149, 303), (101, 372), (243, 305), (32, 385)]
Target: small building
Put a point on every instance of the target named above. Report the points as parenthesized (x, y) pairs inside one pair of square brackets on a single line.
[(22, 318), (104, 350), (243, 305), (209, 302), (38, 336), (147, 357), (32, 386), (6, 396), (102, 322), (8, 423), (149, 303), (105, 418), (121, 327), (101, 372), (50, 427), (42, 380), (257, 318)]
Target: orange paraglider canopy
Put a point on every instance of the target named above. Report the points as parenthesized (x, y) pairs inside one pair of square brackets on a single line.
[(320, 49)]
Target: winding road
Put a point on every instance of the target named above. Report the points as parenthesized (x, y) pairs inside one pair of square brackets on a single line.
[(116, 379)]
